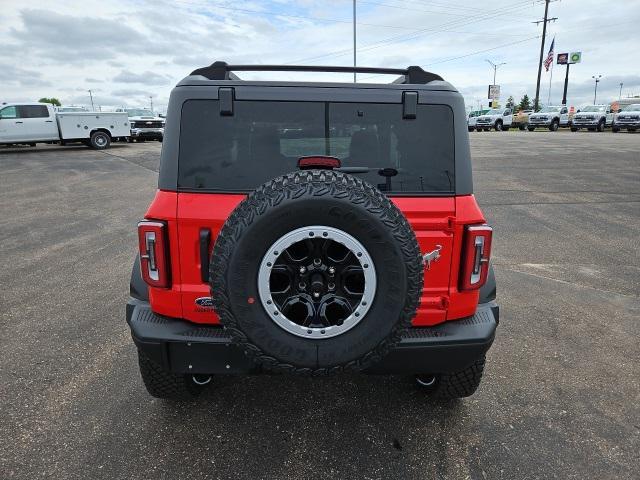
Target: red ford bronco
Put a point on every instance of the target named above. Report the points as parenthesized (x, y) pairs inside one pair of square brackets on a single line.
[(313, 228)]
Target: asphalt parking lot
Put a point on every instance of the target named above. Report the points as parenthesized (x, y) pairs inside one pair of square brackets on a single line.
[(561, 394)]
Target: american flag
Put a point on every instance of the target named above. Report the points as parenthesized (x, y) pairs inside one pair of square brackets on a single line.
[(549, 60)]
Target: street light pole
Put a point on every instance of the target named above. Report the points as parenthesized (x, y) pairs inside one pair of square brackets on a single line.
[(620, 94), (151, 101), (495, 68), (595, 90), (91, 97)]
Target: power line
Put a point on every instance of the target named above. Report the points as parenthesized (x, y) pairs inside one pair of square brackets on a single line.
[(401, 7), (404, 37), (286, 15), (477, 52)]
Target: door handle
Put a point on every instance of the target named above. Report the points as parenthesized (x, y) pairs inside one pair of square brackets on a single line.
[(48, 121), (19, 122)]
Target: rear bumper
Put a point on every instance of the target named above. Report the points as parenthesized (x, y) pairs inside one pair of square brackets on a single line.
[(185, 347)]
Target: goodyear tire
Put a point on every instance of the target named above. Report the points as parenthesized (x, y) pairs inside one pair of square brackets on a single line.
[(298, 229)]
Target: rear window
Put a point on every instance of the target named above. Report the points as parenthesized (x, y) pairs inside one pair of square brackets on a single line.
[(264, 139)]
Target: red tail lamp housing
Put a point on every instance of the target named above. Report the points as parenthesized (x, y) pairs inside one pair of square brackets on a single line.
[(154, 253), (476, 252), (318, 161)]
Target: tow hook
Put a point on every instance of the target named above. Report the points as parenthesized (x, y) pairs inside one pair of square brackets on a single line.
[(431, 256)]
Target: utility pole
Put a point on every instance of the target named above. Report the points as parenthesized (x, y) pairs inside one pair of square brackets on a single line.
[(354, 39), (620, 94), (544, 33), (151, 101), (595, 90), (91, 97)]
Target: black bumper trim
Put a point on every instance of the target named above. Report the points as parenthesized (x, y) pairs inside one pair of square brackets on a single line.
[(184, 347)]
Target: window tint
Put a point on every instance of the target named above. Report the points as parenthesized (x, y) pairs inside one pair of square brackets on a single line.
[(9, 112), (263, 140), (33, 111)]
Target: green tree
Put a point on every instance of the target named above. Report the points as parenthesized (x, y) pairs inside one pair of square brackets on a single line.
[(510, 102), (52, 100), (525, 103)]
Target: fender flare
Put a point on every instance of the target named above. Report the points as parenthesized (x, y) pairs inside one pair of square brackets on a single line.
[(137, 286)]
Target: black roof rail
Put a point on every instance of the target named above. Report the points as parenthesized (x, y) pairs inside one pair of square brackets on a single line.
[(223, 71)]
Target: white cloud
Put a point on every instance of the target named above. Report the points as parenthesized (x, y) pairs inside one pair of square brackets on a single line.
[(134, 50)]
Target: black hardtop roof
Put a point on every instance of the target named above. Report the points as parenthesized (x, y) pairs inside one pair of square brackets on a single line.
[(221, 71)]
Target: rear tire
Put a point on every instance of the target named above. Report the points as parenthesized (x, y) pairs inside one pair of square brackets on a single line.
[(615, 129), (531, 129), (99, 140), (450, 386), (162, 384), (574, 129), (522, 128)]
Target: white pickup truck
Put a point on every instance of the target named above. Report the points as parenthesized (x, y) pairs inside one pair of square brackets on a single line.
[(629, 118), (496, 118), (31, 123), (551, 117), (145, 124), (592, 117)]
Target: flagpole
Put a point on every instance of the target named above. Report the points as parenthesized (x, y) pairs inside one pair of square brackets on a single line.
[(550, 79)]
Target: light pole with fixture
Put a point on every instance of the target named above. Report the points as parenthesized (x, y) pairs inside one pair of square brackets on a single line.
[(595, 90), (495, 68)]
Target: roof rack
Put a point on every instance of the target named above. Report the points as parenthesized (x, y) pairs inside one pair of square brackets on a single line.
[(223, 71)]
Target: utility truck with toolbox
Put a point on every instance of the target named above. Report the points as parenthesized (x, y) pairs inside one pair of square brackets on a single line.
[(31, 123), (497, 118), (313, 228), (551, 117)]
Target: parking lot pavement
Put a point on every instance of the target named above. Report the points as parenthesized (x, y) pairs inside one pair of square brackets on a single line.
[(561, 395)]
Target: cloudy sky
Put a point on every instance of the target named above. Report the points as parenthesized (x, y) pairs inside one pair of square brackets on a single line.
[(125, 51)]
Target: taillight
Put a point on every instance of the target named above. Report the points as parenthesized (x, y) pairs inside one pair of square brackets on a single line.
[(154, 253), (475, 256)]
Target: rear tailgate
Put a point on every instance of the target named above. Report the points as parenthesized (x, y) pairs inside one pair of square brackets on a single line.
[(431, 219)]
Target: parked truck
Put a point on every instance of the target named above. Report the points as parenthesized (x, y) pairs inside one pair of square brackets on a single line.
[(551, 117), (31, 123), (497, 118), (593, 117), (145, 124), (628, 117)]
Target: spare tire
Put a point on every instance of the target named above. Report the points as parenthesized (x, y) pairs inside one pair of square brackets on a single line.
[(316, 272)]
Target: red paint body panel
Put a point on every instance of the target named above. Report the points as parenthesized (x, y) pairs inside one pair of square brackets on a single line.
[(436, 221)]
